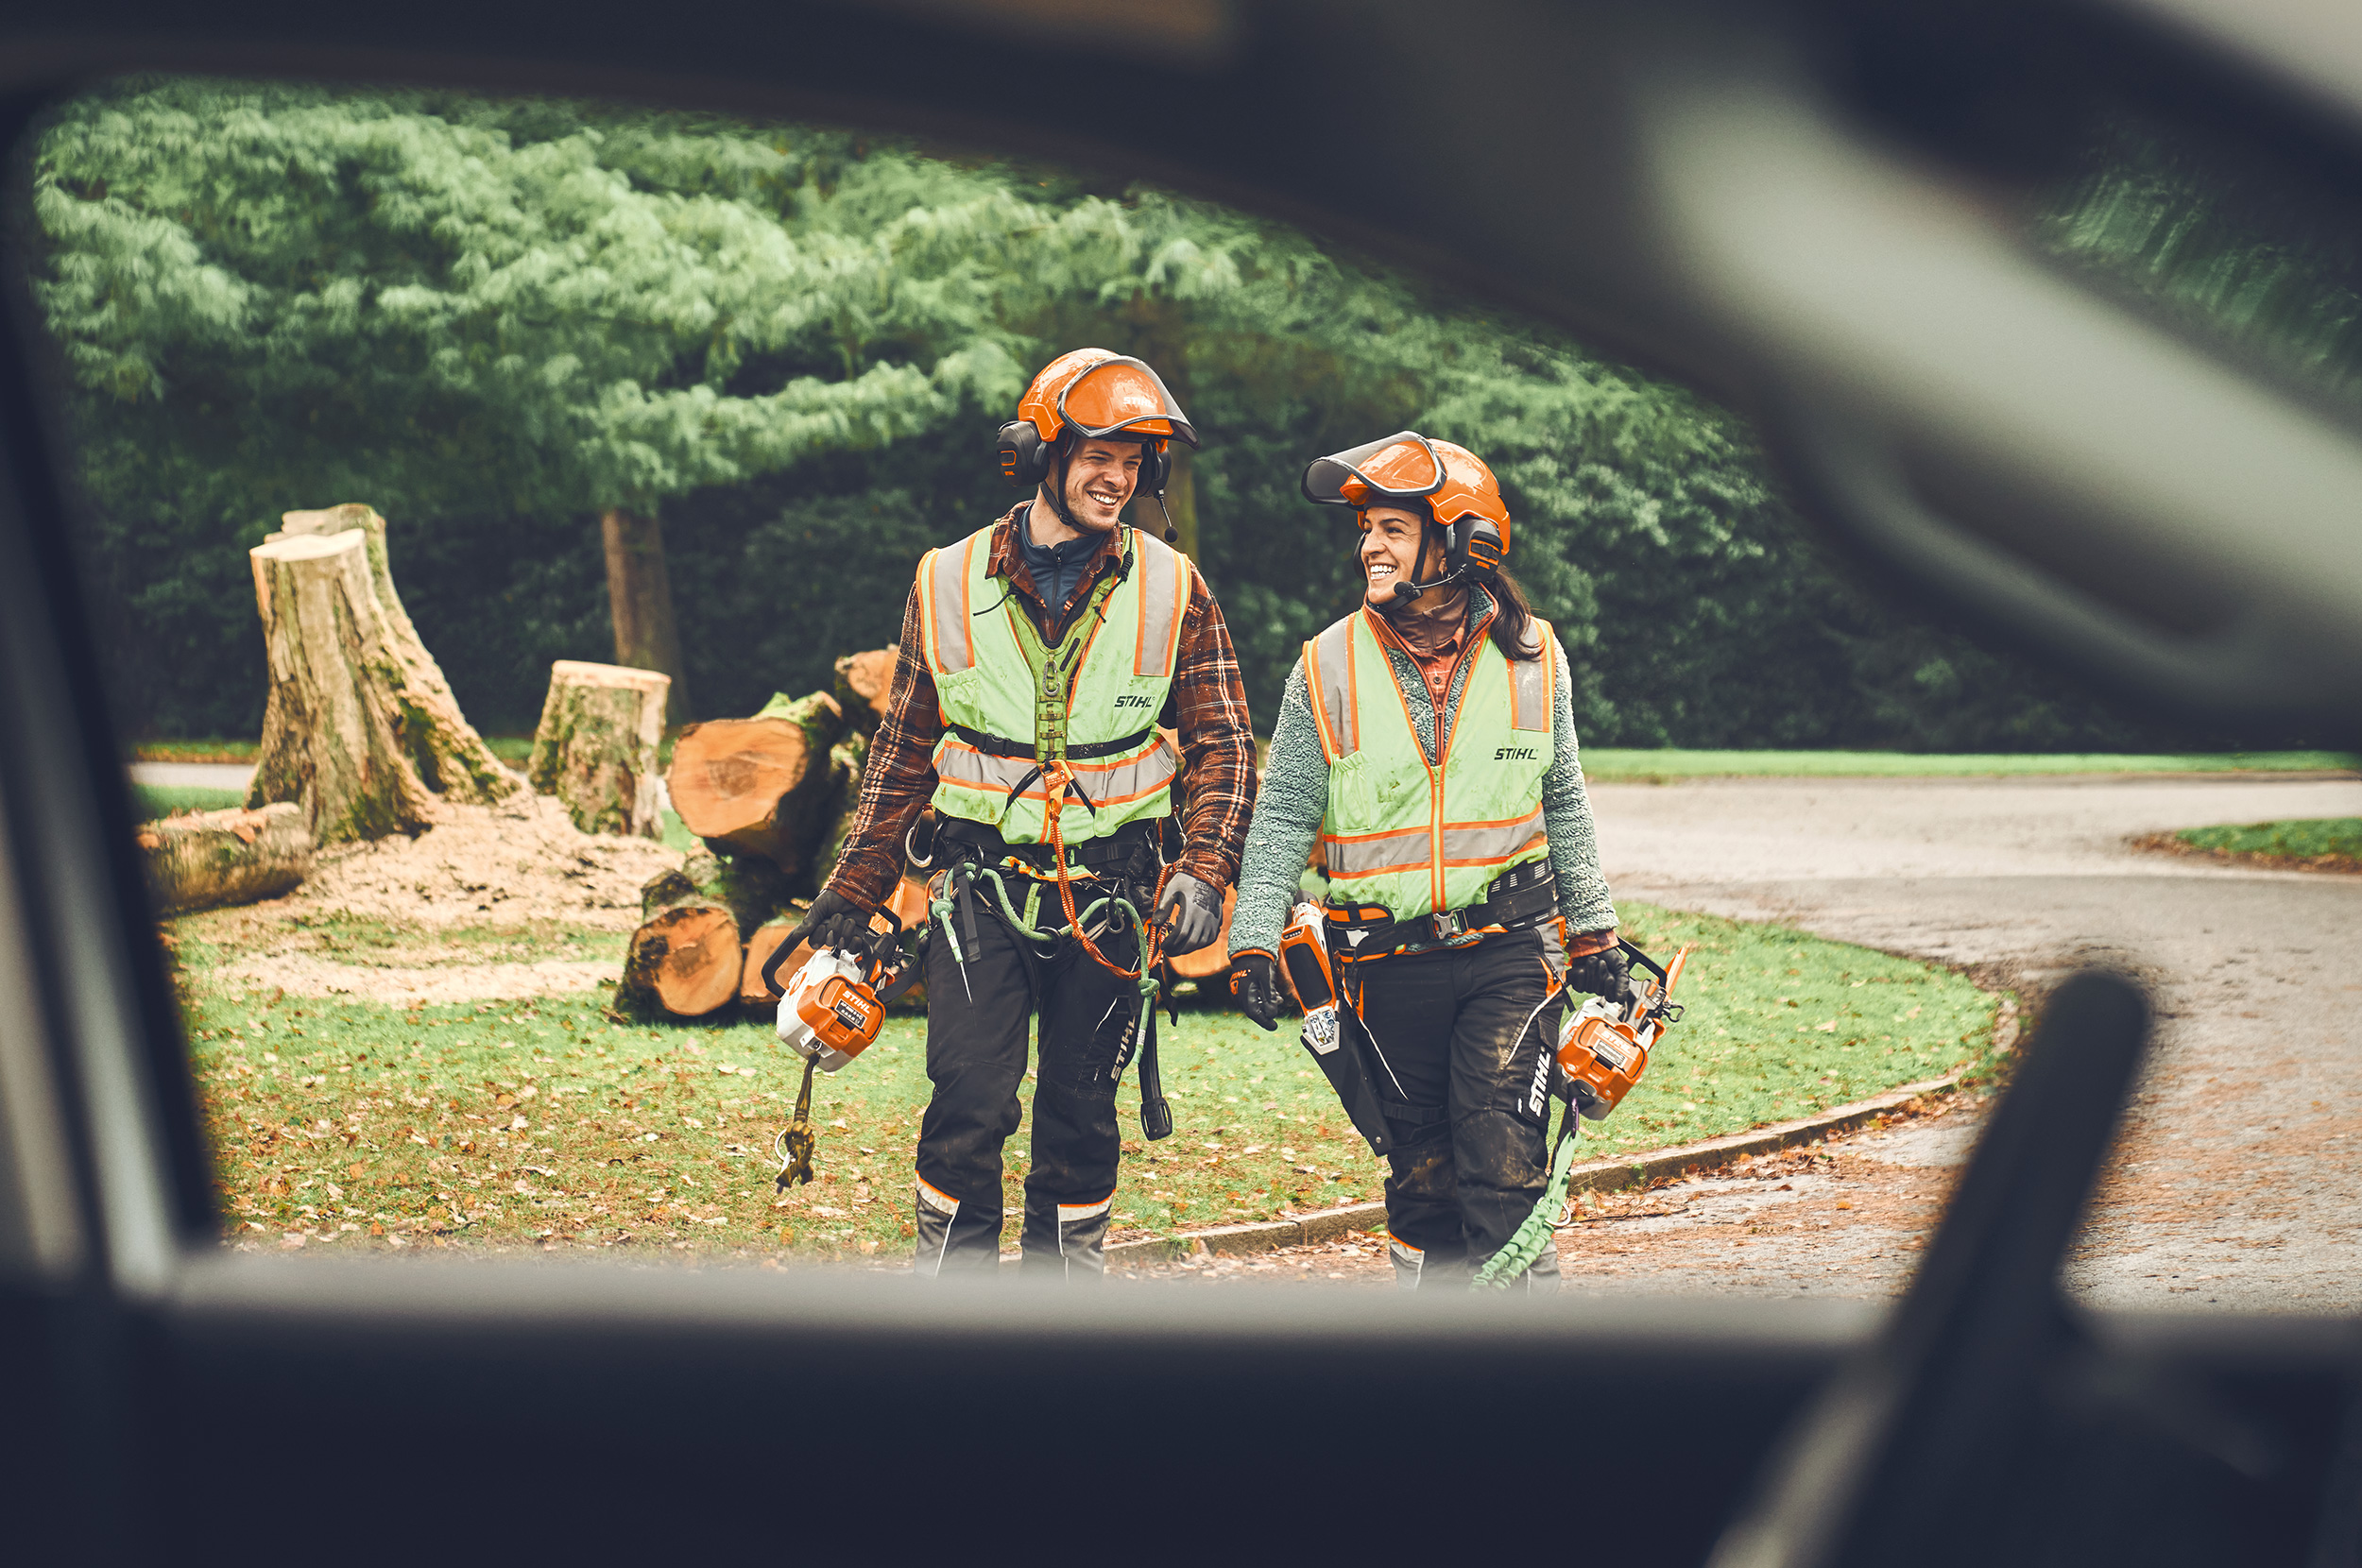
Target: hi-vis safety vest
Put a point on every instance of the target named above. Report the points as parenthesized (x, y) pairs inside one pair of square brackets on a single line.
[(1419, 838), (1007, 709)]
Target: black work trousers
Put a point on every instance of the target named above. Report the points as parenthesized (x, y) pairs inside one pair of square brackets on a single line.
[(1460, 1041), (976, 1058)]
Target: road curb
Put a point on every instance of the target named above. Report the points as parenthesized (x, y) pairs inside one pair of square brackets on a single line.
[(1624, 1170)]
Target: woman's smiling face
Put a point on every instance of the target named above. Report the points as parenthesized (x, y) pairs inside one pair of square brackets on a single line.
[(1390, 551)]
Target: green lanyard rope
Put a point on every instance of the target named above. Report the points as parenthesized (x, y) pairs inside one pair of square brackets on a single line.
[(1541, 1227)]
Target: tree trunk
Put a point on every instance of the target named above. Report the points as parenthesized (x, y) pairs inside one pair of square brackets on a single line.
[(640, 602), (863, 681), (685, 957), (210, 858), (595, 749), (360, 729), (759, 786)]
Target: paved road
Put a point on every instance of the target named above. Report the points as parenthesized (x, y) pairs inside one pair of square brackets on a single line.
[(2239, 1180), (193, 775)]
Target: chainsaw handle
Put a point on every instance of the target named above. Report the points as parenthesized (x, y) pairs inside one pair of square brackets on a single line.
[(1645, 961), (778, 954)]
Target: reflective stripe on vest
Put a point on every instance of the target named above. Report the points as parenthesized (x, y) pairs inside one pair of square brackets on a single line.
[(1418, 837), (984, 682)]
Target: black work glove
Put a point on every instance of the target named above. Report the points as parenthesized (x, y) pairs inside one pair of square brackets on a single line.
[(1193, 909), (1255, 981), (1607, 974), (833, 921)]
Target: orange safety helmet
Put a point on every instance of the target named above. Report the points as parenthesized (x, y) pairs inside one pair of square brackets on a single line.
[(1092, 393), (1459, 491)]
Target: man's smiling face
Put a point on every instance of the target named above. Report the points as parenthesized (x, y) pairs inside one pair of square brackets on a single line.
[(1100, 479)]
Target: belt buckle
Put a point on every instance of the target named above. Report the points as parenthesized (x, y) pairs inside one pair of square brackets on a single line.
[(1449, 923)]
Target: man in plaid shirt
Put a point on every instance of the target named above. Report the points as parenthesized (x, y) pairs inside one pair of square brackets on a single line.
[(1039, 658)]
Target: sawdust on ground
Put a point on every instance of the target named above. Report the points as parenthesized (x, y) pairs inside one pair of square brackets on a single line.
[(520, 864)]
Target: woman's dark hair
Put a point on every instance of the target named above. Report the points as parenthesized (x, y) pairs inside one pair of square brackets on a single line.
[(1512, 616)]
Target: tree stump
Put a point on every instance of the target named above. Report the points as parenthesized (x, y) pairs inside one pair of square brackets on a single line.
[(759, 786), (863, 681), (360, 728), (685, 957), (212, 858), (595, 747)]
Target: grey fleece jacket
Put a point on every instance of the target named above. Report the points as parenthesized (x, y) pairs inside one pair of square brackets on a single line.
[(1294, 797)]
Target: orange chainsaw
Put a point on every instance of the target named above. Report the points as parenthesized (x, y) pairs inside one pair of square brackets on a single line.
[(1603, 1045), (831, 1012)]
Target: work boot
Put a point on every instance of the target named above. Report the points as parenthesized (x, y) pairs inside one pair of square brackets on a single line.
[(951, 1241), (1410, 1262), (1071, 1241)]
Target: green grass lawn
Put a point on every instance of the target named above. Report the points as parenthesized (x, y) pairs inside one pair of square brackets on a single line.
[(161, 800), (342, 1122), (1611, 764), (2338, 837)]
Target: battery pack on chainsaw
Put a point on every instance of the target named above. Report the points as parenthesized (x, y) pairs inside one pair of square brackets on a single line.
[(830, 1009), (1603, 1045), (1304, 961)]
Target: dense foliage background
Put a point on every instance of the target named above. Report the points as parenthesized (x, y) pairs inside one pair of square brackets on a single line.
[(491, 321)]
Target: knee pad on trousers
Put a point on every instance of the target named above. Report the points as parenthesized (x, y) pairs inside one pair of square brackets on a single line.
[(953, 1237), (1067, 1238)]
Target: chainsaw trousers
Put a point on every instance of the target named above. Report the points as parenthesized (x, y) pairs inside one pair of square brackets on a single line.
[(1460, 1044), (976, 1049)]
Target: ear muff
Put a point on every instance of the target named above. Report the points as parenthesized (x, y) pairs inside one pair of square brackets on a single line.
[(1155, 466), (1023, 455), (1478, 543)]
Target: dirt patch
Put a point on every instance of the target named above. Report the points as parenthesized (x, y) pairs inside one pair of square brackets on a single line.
[(463, 981), (516, 862), (2172, 843), (521, 866)]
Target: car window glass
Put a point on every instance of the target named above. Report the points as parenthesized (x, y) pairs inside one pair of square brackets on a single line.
[(498, 520)]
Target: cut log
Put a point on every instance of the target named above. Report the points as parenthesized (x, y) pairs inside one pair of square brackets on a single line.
[(863, 681), (684, 959), (752, 888), (1213, 959), (760, 943), (595, 749), (759, 786), (212, 858), (360, 728)]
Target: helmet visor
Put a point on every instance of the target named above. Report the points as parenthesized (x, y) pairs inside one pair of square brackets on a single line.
[(1123, 396), (1402, 466)]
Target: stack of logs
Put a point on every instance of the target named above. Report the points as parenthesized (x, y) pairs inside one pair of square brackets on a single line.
[(772, 796)]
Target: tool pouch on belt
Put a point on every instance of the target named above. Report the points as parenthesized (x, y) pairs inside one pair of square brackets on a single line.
[(1346, 1066)]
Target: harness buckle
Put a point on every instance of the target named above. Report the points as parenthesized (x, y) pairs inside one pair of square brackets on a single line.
[(1450, 924)]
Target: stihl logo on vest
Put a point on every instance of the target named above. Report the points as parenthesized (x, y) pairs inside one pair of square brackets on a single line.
[(1514, 754), (1131, 699)]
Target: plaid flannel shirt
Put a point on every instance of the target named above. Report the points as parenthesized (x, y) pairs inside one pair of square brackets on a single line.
[(1208, 706)]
